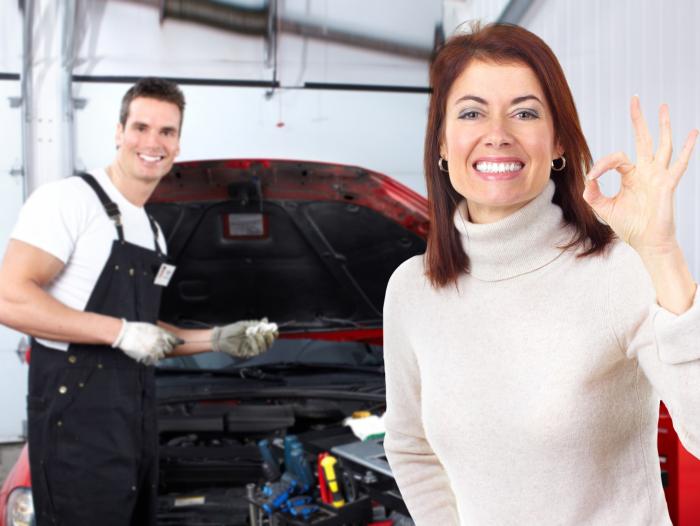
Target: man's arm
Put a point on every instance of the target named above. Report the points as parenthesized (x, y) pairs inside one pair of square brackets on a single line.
[(26, 307), (196, 340), (241, 339)]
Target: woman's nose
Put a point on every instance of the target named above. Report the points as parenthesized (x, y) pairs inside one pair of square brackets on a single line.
[(497, 135)]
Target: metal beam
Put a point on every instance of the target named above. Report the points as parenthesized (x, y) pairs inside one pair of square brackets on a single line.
[(27, 93), (47, 101), (514, 12)]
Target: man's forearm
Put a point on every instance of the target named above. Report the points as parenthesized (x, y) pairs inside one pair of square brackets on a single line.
[(31, 310), (196, 340)]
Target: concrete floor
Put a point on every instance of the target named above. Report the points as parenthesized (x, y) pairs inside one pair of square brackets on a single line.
[(8, 456)]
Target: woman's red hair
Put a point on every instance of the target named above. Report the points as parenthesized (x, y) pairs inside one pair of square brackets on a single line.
[(507, 44)]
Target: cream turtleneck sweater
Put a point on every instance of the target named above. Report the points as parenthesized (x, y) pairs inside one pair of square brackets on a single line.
[(529, 394)]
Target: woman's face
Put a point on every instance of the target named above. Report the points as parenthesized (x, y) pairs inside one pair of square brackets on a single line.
[(499, 138)]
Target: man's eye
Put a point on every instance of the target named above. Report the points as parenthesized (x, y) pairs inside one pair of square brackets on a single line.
[(469, 115)]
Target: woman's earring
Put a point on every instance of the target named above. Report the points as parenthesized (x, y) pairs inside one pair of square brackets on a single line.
[(559, 168), (442, 164)]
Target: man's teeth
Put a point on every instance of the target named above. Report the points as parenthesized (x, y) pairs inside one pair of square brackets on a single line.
[(150, 158), (487, 167)]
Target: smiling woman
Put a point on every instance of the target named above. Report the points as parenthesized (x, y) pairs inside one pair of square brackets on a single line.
[(527, 350), (526, 84), (498, 129)]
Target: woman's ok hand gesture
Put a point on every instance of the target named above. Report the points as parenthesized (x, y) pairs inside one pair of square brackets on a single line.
[(641, 213)]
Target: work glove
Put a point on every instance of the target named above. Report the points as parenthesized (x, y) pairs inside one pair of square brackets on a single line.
[(244, 339), (145, 342)]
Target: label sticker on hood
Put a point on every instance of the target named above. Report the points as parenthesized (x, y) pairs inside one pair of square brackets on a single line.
[(198, 500), (245, 225)]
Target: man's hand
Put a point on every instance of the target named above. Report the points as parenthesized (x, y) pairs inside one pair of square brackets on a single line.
[(145, 342), (244, 339)]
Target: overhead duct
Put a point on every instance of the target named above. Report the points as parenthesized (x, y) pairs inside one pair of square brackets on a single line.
[(239, 19), (256, 21)]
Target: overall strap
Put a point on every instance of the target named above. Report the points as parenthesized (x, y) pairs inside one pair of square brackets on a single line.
[(110, 206), (154, 227)]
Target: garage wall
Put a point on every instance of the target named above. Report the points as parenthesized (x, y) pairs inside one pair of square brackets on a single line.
[(382, 131), (13, 374), (613, 50), (609, 50)]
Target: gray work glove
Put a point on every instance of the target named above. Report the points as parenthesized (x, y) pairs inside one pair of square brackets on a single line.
[(145, 342), (244, 339)]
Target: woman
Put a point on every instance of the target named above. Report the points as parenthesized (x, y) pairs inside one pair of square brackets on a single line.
[(527, 350)]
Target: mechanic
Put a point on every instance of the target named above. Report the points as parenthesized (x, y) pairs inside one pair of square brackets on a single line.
[(83, 274)]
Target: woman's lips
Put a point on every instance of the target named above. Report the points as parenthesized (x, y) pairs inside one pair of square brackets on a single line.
[(498, 170)]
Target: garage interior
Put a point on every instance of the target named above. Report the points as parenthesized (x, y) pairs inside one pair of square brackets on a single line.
[(325, 81)]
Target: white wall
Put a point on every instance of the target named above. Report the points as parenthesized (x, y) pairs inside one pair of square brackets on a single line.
[(609, 51), (10, 37), (379, 131), (13, 375), (613, 50)]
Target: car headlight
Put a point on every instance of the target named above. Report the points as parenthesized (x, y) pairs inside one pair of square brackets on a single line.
[(20, 508)]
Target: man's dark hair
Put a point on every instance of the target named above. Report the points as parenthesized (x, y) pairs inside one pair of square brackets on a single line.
[(153, 88)]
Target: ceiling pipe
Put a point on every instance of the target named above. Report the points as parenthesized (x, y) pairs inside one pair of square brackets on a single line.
[(340, 36), (247, 20), (255, 21)]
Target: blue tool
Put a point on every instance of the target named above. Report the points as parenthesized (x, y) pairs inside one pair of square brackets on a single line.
[(270, 466), (300, 467), (303, 512), (290, 442), (278, 493)]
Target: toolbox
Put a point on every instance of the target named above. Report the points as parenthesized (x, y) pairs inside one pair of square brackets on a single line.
[(359, 511), (345, 486)]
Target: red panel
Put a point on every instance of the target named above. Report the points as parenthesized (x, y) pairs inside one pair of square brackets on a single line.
[(682, 485)]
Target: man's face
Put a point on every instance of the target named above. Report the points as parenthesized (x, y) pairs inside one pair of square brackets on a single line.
[(149, 141)]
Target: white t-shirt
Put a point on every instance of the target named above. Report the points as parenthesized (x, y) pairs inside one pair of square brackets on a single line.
[(66, 219)]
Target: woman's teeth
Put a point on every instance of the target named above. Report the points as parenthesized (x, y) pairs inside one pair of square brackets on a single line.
[(487, 167)]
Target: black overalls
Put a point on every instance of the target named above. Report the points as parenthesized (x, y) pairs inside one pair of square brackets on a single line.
[(93, 440)]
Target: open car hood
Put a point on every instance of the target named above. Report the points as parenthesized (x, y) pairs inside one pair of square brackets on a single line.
[(308, 245)]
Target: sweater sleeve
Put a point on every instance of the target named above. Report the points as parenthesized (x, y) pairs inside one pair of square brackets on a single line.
[(666, 345), (419, 474)]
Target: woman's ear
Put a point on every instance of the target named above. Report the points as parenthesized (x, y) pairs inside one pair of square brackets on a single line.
[(559, 149)]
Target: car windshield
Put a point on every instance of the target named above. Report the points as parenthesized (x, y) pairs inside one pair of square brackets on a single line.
[(289, 352)]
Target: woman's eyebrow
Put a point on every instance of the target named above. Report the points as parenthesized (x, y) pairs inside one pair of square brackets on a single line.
[(518, 100), (472, 97)]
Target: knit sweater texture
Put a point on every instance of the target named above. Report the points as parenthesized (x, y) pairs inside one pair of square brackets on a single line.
[(529, 392)]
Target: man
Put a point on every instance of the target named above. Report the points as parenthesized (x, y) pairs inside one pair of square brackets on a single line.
[(83, 274)]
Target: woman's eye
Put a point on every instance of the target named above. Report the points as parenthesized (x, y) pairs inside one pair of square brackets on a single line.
[(469, 115), (526, 114)]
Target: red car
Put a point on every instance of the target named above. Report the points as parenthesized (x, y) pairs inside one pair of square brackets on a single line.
[(311, 246)]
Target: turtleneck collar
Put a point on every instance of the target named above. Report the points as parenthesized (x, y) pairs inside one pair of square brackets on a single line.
[(525, 241)]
